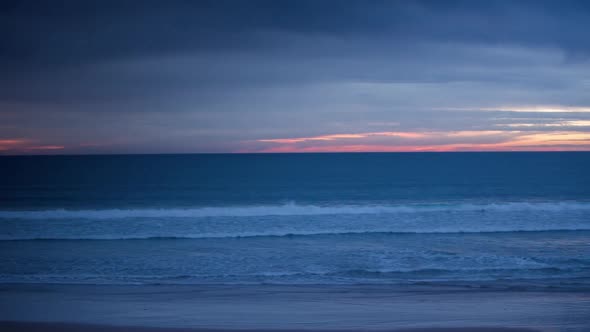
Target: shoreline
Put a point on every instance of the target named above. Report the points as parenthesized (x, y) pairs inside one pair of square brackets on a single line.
[(200, 308), (15, 326)]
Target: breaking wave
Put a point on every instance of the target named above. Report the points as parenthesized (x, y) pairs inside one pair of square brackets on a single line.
[(291, 209)]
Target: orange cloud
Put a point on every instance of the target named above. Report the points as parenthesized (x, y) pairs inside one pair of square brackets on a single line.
[(505, 141), (422, 148), (9, 144), (19, 146), (401, 134)]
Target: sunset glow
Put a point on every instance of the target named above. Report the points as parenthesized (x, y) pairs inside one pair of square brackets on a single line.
[(26, 146), (9, 144), (435, 141)]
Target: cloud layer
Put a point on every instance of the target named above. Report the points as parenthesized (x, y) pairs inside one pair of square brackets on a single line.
[(268, 76)]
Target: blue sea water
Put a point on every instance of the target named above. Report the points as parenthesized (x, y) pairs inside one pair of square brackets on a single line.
[(366, 218)]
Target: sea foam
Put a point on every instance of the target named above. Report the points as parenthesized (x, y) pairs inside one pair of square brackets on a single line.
[(290, 209)]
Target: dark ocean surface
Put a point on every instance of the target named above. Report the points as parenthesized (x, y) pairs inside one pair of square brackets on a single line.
[(366, 218)]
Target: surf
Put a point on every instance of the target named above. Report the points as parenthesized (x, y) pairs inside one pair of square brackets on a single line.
[(292, 209)]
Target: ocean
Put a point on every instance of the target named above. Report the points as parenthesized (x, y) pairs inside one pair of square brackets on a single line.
[(468, 219)]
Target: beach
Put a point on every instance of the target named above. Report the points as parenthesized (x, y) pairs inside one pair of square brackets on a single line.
[(55, 327), (361, 308)]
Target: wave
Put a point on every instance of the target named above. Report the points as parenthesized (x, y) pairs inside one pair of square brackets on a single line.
[(293, 209), (343, 277), (277, 235)]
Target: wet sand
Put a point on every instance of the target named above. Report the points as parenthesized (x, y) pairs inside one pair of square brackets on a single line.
[(296, 308), (63, 327)]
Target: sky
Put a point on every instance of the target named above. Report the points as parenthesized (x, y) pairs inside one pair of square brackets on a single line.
[(95, 77)]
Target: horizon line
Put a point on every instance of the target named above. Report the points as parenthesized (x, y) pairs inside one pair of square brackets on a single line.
[(284, 153)]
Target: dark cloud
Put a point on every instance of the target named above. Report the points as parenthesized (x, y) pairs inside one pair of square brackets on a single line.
[(69, 32)]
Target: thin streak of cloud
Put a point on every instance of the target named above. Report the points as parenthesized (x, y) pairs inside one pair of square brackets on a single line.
[(18, 145), (9, 144), (343, 136), (423, 148), (524, 109), (46, 147), (569, 123), (545, 109), (407, 135), (12, 141), (484, 140)]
